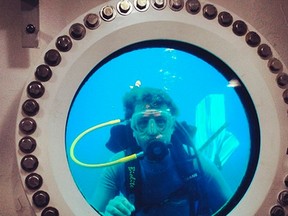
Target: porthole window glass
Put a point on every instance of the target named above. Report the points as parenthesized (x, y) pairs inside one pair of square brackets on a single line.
[(215, 112)]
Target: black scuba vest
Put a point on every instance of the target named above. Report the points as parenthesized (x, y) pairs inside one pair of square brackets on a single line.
[(187, 166)]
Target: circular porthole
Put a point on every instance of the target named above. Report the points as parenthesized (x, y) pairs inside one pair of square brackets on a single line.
[(225, 79), (210, 97)]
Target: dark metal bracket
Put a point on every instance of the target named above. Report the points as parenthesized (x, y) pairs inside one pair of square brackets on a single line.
[(30, 23)]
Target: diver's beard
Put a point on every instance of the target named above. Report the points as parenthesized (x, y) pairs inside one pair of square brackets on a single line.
[(156, 150)]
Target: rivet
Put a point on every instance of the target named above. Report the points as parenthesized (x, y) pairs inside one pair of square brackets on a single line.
[(277, 210), (285, 97), (108, 13), (64, 43), (159, 4), (30, 107), (283, 198), (41, 199), (193, 6), (124, 7), (209, 11), (282, 80), (33, 181), (225, 19), (30, 29), (176, 5), (27, 126), (43, 73), (264, 51), (239, 28), (35, 89), (50, 211), (77, 31), (275, 65), (286, 179), (141, 5), (253, 39), (52, 57), (29, 163), (92, 21), (27, 144)]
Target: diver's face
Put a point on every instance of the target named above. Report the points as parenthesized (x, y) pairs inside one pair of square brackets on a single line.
[(152, 125)]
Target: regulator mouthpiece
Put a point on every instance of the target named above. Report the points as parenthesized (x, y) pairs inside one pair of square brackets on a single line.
[(156, 151)]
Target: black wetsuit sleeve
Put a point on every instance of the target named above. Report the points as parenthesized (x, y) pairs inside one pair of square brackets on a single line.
[(215, 188)]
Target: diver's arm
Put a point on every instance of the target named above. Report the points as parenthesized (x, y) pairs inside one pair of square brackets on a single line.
[(217, 190), (108, 186), (119, 206), (106, 198), (105, 191)]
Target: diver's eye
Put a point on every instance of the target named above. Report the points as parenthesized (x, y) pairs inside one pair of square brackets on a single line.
[(161, 121), (142, 123)]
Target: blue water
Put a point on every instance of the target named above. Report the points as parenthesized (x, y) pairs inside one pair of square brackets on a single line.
[(186, 78)]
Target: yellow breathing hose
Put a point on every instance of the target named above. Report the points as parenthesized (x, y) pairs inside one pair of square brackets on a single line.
[(100, 165)]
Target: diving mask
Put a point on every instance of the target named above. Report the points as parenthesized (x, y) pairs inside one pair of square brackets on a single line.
[(160, 121)]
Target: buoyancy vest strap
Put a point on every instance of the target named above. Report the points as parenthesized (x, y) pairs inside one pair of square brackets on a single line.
[(187, 164), (133, 180)]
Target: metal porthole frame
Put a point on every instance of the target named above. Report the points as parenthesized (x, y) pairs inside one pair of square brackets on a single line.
[(45, 102)]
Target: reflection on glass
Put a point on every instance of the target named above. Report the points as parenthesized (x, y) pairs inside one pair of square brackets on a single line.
[(182, 116), (212, 138)]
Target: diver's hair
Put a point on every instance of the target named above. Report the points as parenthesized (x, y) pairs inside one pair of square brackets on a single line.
[(155, 98)]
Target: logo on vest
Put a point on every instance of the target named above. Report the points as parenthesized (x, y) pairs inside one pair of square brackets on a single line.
[(132, 179)]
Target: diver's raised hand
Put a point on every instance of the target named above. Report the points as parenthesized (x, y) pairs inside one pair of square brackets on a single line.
[(119, 206)]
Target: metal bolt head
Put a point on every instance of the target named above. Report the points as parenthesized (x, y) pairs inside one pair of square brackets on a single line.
[(30, 29), (124, 6), (108, 13), (159, 4), (29, 163), (141, 4), (277, 211), (285, 98), (28, 125), (193, 6), (92, 21), (77, 31), (64, 43), (176, 5), (52, 57), (264, 51), (35, 89), (253, 39), (43, 73), (282, 80), (210, 11), (275, 65), (50, 211), (41, 199), (239, 28), (27, 144), (225, 19), (30, 107), (283, 198), (33, 181)]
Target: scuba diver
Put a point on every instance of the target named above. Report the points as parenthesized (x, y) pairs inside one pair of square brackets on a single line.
[(170, 177)]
